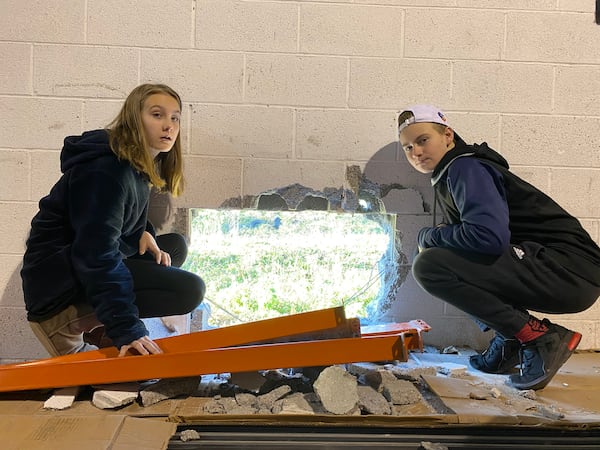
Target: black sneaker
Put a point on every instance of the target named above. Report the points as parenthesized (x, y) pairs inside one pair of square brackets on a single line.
[(542, 357), (500, 357)]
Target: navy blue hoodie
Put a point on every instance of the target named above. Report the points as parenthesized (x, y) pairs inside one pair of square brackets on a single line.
[(487, 208), (91, 220)]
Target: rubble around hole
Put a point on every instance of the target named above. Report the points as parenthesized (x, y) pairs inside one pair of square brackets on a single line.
[(390, 388)]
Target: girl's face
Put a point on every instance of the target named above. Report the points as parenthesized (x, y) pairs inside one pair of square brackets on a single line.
[(160, 117), (424, 145)]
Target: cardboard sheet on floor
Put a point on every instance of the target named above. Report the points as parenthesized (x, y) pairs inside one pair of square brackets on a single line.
[(478, 403), (88, 432)]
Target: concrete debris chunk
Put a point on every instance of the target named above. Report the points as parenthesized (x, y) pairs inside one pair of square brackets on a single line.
[(114, 396), (249, 381), (296, 403), (246, 399), (62, 398), (411, 372), (220, 405), (268, 400), (372, 402), (169, 388), (529, 393), (453, 370), (337, 390), (398, 392), (361, 369), (189, 435)]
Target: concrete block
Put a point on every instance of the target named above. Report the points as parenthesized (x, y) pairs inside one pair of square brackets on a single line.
[(555, 37), (576, 6), (253, 26), (128, 24), (44, 172), (14, 175), (537, 176), (200, 76), (41, 21), (403, 201), (54, 119), (358, 134), (393, 83), (350, 30), (529, 140), (55, 73), (474, 34), (259, 176), (476, 127), (15, 225), (576, 190), (99, 113), (503, 87), (536, 5), (11, 291), (244, 131), (296, 80), (16, 70), (210, 181), (17, 341), (584, 99)]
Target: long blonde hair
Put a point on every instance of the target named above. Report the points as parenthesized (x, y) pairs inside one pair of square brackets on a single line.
[(128, 141)]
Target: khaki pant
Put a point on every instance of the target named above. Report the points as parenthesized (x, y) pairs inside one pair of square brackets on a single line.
[(62, 334)]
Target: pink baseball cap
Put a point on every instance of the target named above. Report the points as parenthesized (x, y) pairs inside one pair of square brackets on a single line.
[(421, 114)]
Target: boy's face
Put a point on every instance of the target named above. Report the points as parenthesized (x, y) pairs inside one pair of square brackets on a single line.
[(424, 145)]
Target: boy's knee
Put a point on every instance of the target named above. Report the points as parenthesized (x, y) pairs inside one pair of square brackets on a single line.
[(425, 264)]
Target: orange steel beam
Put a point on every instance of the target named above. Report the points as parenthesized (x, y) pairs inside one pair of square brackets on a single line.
[(323, 337), (40, 374), (234, 335)]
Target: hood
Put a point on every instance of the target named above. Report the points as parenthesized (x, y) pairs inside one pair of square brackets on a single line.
[(480, 151), (81, 149)]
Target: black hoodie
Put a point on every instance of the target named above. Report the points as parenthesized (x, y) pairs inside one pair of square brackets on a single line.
[(91, 220), (488, 208)]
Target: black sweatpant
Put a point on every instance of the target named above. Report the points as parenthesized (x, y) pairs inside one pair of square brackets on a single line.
[(498, 290), (161, 290)]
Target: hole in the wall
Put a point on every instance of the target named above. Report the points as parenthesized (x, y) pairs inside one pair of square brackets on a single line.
[(262, 263)]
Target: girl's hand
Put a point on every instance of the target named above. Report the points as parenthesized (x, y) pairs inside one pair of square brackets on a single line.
[(143, 345), (148, 243)]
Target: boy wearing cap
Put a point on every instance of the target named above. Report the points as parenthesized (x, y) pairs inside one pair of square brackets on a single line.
[(504, 248)]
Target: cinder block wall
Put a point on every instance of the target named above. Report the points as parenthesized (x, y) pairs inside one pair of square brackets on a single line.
[(283, 92)]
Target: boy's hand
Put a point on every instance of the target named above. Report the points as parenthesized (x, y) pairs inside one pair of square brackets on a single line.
[(143, 345)]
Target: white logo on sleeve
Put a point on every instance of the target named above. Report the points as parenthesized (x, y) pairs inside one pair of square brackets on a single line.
[(519, 252)]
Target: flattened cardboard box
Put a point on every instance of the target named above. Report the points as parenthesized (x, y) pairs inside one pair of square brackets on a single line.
[(33, 432)]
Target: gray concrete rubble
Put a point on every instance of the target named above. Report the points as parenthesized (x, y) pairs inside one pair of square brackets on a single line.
[(372, 402), (169, 388), (337, 390)]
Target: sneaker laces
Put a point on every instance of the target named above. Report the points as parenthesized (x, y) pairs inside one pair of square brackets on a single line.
[(525, 359), (496, 346)]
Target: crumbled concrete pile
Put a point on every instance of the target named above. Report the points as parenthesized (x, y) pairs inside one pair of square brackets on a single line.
[(334, 391)]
